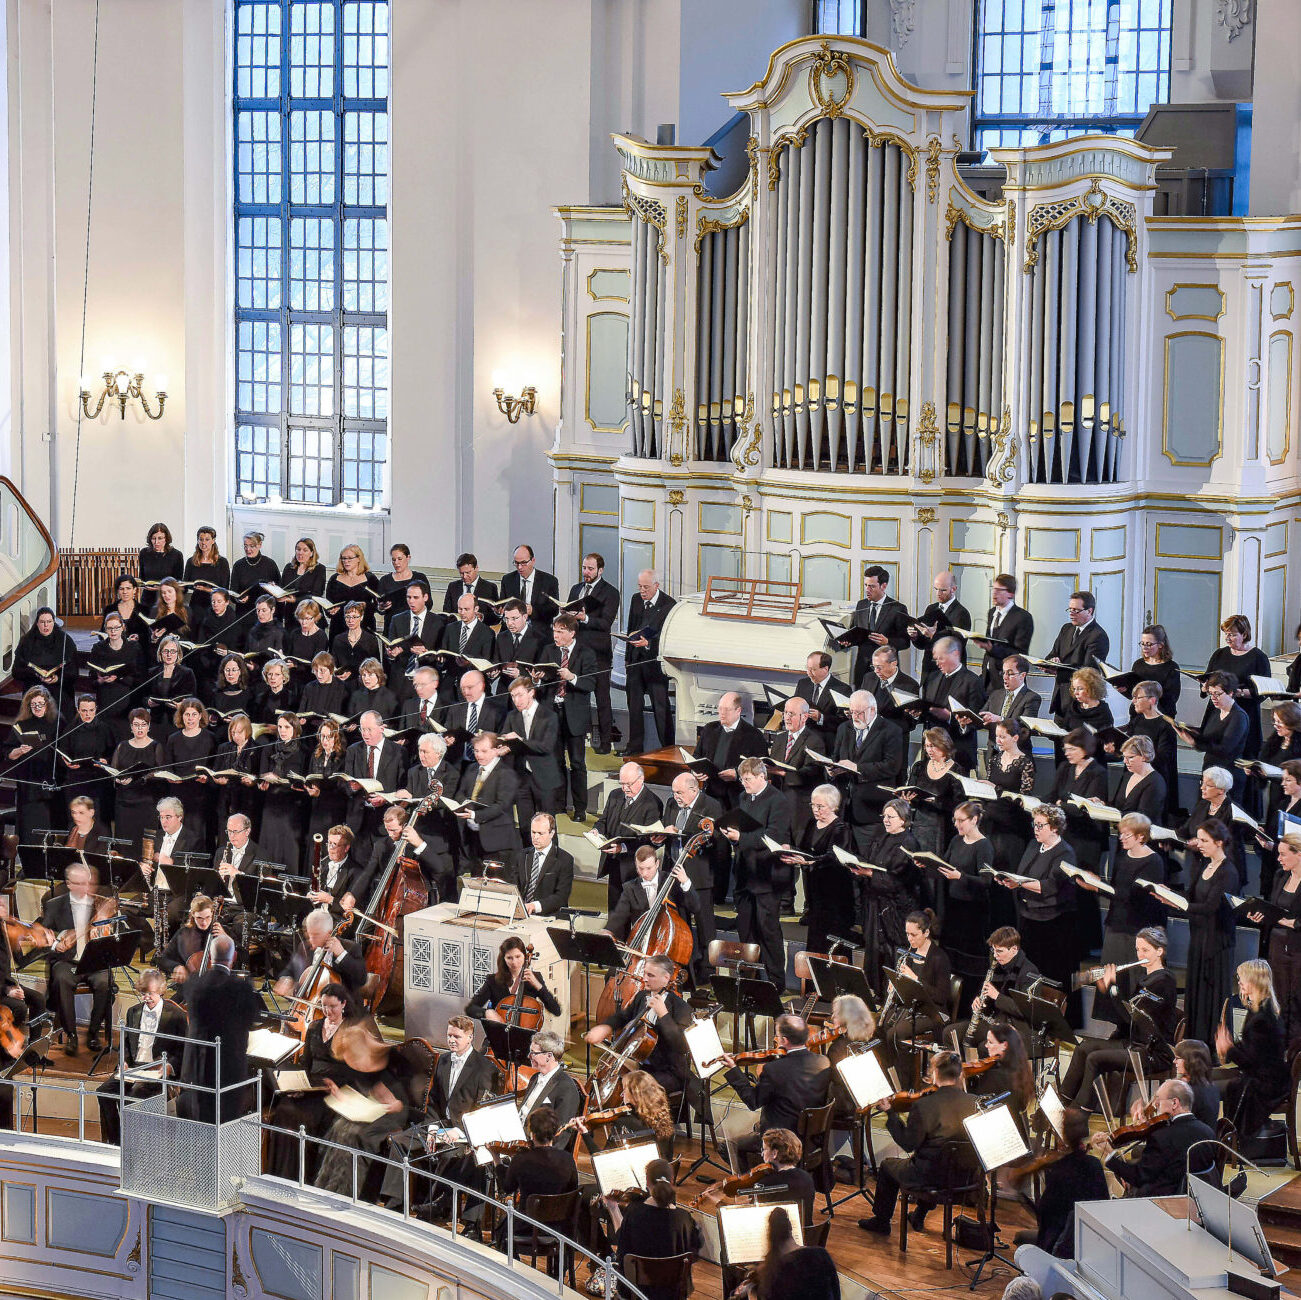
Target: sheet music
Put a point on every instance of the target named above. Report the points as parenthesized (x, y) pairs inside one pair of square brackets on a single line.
[(1050, 1103), (744, 1229), (622, 1168), (705, 1046), (863, 1076), (349, 1103), (295, 1081), (499, 1122), (268, 1045), (996, 1137)]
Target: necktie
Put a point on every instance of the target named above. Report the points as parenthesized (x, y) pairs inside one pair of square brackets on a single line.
[(514, 650), (524, 595), (1075, 640), (859, 737), (872, 617), (998, 619), (424, 710), (370, 761), (465, 636), (564, 663), (478, 783), (469, 591), (587, 590), (790, 744), (457, 1062), (533, 877), (1007, 704)]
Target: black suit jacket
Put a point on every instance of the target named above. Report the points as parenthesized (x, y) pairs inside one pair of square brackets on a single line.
[(1093, 644), (892, 624), (554, 884), (745, 741), (1017, 628), (1026, 704), (633, 903), (545, 585), (390, 768), (957, 616), (796, 786), (706, 866), (533, 641), (932, 1121), (171, 1020), (757, 868), (965, 687), (536, 760), (354, 877), (492, 713), (879, 759), (439, 829), (398, 627), (576, 706), (497, 833), (484, 591), (832, 715), (1159, 1170), (615, 817), (601, 617), (886, 707), (792, 1083), (481, 644), (478, 1078), (561, 1092), (643, 617)]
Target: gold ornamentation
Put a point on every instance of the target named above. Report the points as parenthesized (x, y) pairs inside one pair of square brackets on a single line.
[(133, 1258), (651, 211), (794, 140), (877, 139), (925, 515), (682, 216), (1092, 204), (831, 65), (747, 503), (711, 225), (1011, 226), (928, 436), (954, 214), (677, 497), (752, 151), (1003, 520), (933, 148), (747, 453), (237, 1281), (1002, 460)]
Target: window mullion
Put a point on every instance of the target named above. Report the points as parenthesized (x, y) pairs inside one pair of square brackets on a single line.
[(337, 217), (286, 346)]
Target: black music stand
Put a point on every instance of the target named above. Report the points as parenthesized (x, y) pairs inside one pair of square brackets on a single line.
[(193, 874), (1046, 1024), (509, 1043), (747, 998), (841, 977), (915, 1000), (593, 949), (111, 952)]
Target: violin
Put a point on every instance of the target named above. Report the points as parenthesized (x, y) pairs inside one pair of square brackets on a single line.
[(902, 1100), (1138, 1128), (731, 1186), (596, 1118), (824, 1037), (759, 1057), (1035, 1165), (101, 923), (974, 1069)]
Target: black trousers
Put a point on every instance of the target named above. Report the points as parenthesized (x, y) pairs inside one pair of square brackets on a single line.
[(531, 799), (643, 678), (110, 1116), (705, 926), (604, 710), (894, 1173), (758, 921), (571, 753), (63, 986), (1092, 1058)]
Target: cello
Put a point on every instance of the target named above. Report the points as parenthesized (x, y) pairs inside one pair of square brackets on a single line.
[(518, 1010), (311, 984), (400, 889), (661, 931)]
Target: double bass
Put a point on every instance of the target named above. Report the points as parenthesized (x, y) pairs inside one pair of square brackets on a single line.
[(661, 931), (400, 889)]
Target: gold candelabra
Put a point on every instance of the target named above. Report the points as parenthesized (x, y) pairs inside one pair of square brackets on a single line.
[(122, 386)]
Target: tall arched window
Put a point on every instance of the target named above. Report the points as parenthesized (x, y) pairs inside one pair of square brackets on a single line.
[(1047, 69), (311, 250)]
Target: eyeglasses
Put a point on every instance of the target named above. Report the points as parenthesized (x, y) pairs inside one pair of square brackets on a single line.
[(519, 564)]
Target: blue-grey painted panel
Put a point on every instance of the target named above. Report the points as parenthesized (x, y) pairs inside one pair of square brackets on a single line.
[(1183, 599), (187, 1255), (1193, 397), (387, 1285), (90, 1225), (346, 1271), (18, 1212), (285, 1266)]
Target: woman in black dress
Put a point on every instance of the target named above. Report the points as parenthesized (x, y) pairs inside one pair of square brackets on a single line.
[(32, 764), (1213, 801), (1081, 775), (1046, 913), (1261, 1083), (168, 684), (828, 882), (1155, 664), (1282, 744), (303, 577), (1087, 704), (656, 1227), (352, 581), (1224, 731), (889, 895), (1193, 1066), (791, 1272), (1283, 941), (251, 570), (1011, 1074), (1133, 907), (1148, 720), (134, 811), (295, 1110), (306, 638), (324, 694), (354, 645), (266, 635), (206, 567), (393, 586), (964, 891), (220, 631), (1242, 661), (281, 831), (114, 665), (126, 603), (1095, 1057), (329, 799), (237, 753), (190, 744), (934, 775), (1077, 1176), (1282, 817), (1140, 788), (372, 692), (928, 964), (1211, 932), (159, 559), (505, 980), (1006, 821), (87, 743), (233, 692), (47, 656), (276, 694), (1294, 668), (171, 613)]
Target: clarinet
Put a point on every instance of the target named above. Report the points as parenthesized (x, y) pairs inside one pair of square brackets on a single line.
[(977, 1022), (147, 854)]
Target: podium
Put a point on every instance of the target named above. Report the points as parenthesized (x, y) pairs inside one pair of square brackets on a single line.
[(445, 961)]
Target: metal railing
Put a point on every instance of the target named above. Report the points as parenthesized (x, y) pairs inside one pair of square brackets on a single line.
[(516, 1228)]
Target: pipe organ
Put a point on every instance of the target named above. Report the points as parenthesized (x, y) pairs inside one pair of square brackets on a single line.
[(854, 358)]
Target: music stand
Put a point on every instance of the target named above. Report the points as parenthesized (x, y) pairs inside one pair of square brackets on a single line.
[(842, 978), (593, 949), (111, 952), (915, 1000), (746, 997), (996, 1141), (1045, 1021), (509, 1043)]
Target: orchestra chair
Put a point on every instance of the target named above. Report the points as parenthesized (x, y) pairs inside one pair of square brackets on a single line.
[(813, 1128), (561, 1212), (961, 1177), (815, 1234), (739, 960), (667, 1276), (422, 1056), (8, 858)]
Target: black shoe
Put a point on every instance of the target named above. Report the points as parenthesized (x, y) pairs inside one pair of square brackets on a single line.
[(600, 749), (580, 818), (92, 1042), (879, 1227), (917, 1218), (70, 1045)]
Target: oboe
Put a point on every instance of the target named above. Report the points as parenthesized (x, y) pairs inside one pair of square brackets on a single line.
[(977, 1022)]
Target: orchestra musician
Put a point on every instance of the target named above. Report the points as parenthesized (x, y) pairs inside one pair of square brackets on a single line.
[(506, 982), (176, 840), (72, 918), (180, 959), (344, 878), (342, 956), (710, 870), (1157, 998), (1075, 1175), (1159, 1170), (648, 1117), (25, 1004), (928, 964), (153, 1015), (1192, 1064), (933, 1127), (1010, 1074), (790, 1272), (1261, 1083), (656, 1227), (795, 1081), (544, 872), (542, 1169), (397, 831), (639, 894), (1009, 969), (87, 834), (237, 855), (656, 1003), (551, 1085)]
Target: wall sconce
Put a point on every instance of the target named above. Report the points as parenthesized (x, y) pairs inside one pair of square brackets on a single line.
[(513, 407), (122, 387)]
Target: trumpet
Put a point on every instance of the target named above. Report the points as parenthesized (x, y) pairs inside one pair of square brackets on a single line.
[(1091, 976)]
